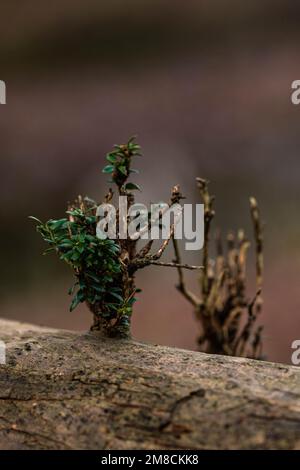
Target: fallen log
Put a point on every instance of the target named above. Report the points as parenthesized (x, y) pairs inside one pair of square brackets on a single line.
[(67, 390)]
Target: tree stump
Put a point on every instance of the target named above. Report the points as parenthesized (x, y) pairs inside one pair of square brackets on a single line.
[(67, 390)]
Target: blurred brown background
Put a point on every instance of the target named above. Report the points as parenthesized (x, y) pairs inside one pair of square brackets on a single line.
[(205, 85)]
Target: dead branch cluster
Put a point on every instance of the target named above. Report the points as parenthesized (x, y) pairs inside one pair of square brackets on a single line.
[(227, 317)]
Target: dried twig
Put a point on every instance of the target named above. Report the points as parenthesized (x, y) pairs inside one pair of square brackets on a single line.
[(182, 285), (223, 305), (175, 265)]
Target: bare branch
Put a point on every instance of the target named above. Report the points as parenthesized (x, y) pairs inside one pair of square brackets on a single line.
[(176, 197), (109, 196), (192, 298), (175, 265), (164, 245), (209, 213), (258, 234), (145, 250), (148, 260)]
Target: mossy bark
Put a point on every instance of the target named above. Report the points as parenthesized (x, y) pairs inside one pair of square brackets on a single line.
[(67, 390), (114, 328)]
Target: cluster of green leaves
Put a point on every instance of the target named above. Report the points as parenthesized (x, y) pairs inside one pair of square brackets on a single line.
[(95, 261), (119, 166)]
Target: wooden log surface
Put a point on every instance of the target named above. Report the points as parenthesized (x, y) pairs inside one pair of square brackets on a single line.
[(68, 390)]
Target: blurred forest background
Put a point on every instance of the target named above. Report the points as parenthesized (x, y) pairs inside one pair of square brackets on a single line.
[(205, 85)]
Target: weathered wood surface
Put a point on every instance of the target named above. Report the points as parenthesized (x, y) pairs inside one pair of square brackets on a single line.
[(64, 390)]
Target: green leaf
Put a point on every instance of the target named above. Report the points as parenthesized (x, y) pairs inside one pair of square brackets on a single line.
[(75, 256), (117, 296), (35, 219), (64, 245), (112, 306), (98, 289), (108, 169), (122, 169), (92, 276), (71, 290), (57, 224), (132, 187), (116, 289), (111, 157), (75, 302), (91, 220), (48, 250)]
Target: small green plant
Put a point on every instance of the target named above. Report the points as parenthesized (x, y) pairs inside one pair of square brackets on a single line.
[(226, 316), (104, 269)]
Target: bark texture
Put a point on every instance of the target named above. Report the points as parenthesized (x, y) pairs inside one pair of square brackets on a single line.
[(66, 390)]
